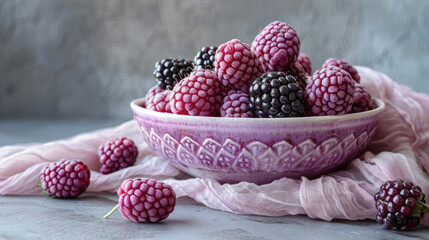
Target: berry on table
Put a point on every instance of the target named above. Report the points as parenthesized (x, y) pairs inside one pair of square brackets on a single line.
[(236, 65), (362, 100), (65, 179), (276, 46), (205, 58), (330, 92), (235, 104), (168, 72), (400, 204), (276, 95), (305, 62), (198, 95), (343, 65), (145, 200), (117, 154)]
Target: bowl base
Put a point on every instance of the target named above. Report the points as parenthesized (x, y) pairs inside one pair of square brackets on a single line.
[(257, 177)]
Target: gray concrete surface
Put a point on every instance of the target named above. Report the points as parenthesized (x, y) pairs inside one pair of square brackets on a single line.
[(40, 217), (44, 218), (91, 58)]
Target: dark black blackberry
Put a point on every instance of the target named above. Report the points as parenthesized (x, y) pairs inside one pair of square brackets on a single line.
[(205, 58), (298, 72), (276, 95), (169, 71)]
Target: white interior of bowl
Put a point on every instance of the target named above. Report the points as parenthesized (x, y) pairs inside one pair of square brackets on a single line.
[(137, 106)]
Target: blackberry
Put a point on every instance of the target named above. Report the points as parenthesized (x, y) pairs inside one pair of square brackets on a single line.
[(298, 72), (205, 58), (343, 65), (170, 71), (117, 154), (305, 62), (400, 205), (236, 105), (277, 46), (276, 95), (145, 200), (160, 102), (330, 92), (151, 93), (65, 179), (362, 100), (236, 65), (198, 95)]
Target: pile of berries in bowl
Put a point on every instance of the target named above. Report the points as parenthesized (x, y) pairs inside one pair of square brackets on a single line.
[(257, 113)]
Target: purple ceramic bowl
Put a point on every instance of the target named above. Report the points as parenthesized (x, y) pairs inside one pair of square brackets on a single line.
[(257, 150)]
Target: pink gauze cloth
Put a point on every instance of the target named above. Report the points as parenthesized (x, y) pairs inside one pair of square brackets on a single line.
[(399, 149)]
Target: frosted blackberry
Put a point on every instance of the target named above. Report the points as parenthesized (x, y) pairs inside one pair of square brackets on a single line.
[(276, 95), (65, 179), (276, 46), (236, 65), (117, 154), (168, 72), (152, 92), (305, 62), (343, 65), (400, 205), (330, 92), (197, 95), (236, 105), (362, 100), (145, 200), (160, 102), (205, 58)]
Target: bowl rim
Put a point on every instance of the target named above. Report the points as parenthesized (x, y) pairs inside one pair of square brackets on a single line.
[(136, 106)]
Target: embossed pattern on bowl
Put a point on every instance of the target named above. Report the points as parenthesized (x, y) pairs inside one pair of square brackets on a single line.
[(255, 149)]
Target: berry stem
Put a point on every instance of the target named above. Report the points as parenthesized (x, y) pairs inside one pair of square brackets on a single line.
[(43, 190), (420, 209), (111, 211)]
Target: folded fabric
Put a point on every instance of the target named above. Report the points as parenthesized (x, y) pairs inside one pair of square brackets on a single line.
[(399, 149)]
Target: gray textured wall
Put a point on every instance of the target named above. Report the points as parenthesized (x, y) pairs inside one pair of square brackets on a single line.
[(89, 59)]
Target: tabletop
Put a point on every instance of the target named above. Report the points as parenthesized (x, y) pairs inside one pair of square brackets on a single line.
[(40, 217)]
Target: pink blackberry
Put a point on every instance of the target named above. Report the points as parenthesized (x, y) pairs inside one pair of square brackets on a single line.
[(145, 200), (235, 105), (198, 95), (151, 93), (298, 72), (160, 102), (236, 65), (400, 205), (305, 62), (65, 179), (343, 65), (362, 100), (330, 92), (277, 46), (117, 154), (226, 90)]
